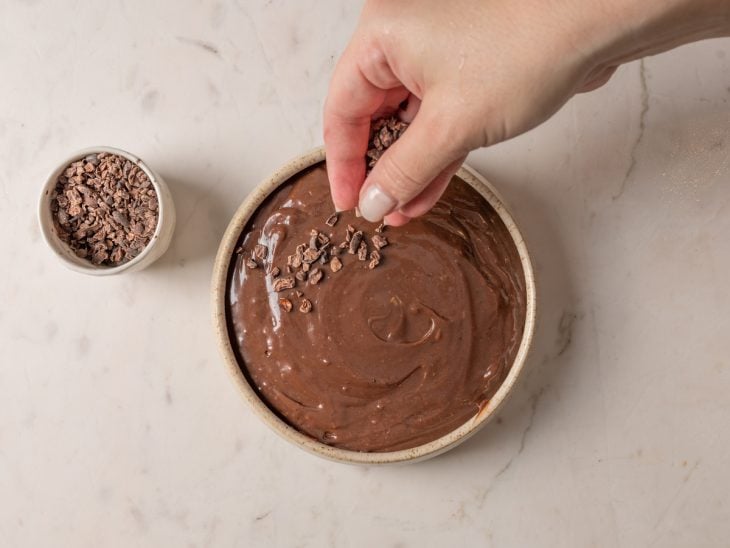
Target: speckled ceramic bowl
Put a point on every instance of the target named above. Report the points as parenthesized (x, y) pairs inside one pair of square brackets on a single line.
[(155, 248), (450, 440)]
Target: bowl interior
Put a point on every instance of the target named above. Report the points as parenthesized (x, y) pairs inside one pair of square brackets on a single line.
[(221, 321)]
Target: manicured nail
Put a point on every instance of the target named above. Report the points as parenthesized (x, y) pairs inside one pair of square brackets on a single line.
[(338, 207), (376, 204)]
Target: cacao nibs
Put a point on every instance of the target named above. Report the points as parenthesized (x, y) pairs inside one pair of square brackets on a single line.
[(315, 276), (332, 219), (379, 242), (310, 255), (355, 242), (105, 209), (374, 259), (335, 264), (383, 133), (323, 239), (309, 260), (284, 283), (260, 252), (313, 239), (362, 251)]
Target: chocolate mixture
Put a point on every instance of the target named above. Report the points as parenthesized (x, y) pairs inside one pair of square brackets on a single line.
[(376, 359)]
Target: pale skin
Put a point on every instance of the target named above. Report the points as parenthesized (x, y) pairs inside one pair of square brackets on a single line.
[(475, 73)]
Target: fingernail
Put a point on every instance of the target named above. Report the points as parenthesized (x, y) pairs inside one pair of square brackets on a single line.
[(376, 204), (338, 207)]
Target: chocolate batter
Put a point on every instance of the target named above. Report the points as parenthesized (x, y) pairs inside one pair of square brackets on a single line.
[(388, 358)]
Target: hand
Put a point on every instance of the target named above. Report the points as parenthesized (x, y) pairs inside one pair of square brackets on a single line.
[(474, 73)]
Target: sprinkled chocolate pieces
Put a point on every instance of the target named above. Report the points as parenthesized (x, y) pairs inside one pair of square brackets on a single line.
[(310, 261), (284, 283), (305, 306)]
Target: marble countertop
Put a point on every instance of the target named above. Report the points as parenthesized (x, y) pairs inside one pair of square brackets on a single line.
[(119, 425)]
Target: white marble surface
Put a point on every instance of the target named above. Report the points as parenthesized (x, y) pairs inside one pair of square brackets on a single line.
[(118, 423)]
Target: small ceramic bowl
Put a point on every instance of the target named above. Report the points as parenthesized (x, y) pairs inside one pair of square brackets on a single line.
[(219, 289), (155, 248)]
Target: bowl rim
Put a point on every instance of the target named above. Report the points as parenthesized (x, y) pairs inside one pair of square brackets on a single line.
[(218, 293), (61, 249)]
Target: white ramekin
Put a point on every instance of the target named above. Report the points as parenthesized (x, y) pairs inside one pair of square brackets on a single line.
[(155, 248)]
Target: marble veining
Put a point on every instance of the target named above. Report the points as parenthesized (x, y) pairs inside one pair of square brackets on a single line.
[(120, 425)]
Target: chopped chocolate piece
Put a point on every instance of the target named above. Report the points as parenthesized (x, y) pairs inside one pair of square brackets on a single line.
[(286, 304), (335, 264), (306, 267), (295, 261), (260, 252), (310, 255), (350, 231), (251, 263), (301, 275), (324, 257), (118, 216), (355, 242), (381, 228), (374, 259), (379, 241), (313, 239), (315, 276), (305, 307), (323, 239), (332, 219), (284, 283), (274, 271), (362, 251)]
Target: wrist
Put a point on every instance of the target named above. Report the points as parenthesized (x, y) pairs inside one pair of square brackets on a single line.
[(625, 30)]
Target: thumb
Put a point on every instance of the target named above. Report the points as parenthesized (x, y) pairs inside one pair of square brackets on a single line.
[(429, 145)]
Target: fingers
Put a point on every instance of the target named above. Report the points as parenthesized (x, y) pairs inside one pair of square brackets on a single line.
[(362, 85), (346, 128), (428, 198), (430, 146), (396, 219)]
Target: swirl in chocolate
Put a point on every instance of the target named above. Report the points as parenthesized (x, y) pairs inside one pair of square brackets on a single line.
[(391, 357)]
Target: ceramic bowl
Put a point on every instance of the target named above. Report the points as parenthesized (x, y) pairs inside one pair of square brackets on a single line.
[(155, 248), (219, 285)]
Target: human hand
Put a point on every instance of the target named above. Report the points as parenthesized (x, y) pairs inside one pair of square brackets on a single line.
[(474, 73)]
